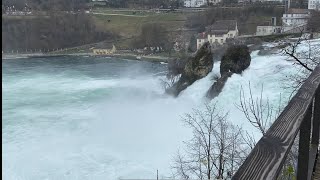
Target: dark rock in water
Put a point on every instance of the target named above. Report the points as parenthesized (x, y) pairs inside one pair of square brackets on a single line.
[(196, 68), (255, 47), (273, 50), (264, 52), (217, 86), (235, 60)]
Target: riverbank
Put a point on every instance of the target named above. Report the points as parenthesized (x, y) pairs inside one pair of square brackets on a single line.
[(149, 58)]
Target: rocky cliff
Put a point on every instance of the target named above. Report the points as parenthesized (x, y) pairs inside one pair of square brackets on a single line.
[(196, 68), (235, 60)]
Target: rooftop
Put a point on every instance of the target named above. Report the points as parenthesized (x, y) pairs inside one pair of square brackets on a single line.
[(202, 35), (222, 27), (297, 11)]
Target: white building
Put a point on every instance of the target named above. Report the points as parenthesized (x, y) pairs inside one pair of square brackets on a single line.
[(201, 39), (295, 19), (314, 4), (214, 1), (194, 3), (218, 33), (268, 30)]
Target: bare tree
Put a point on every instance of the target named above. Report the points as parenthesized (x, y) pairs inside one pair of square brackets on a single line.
[(305, 56), (303, 59), (261, 114), (170, 80), (175, 69), (215, 151), (258, 112)]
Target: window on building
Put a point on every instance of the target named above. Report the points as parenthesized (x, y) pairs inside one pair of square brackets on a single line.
[(216, 40), (210, 41), (221, 40)]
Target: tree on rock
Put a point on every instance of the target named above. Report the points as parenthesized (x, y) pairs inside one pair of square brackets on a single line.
[(196, 68), (236, 59)]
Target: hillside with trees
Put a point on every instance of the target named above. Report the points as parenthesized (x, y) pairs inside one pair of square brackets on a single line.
[(50, 32), (46, 5)]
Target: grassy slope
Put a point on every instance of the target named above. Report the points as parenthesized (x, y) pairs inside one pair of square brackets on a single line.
[(129, 26)]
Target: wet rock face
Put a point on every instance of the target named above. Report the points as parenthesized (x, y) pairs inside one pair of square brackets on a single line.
[(196, 68), (201, 64), (236, 59), (217, 86)]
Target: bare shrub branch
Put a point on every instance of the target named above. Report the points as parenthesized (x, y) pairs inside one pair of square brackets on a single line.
[(216, 149)]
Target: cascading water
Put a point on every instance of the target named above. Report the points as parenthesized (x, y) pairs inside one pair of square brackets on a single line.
[(99, 118)]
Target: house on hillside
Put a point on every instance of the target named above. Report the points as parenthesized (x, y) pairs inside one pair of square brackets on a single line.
[(104, 51), (295, 20), (214, 2), (265, 30), (218, 33), (194, 3), (268, 28), (314, 4)]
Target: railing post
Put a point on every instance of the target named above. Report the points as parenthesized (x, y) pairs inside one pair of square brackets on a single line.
[(315, 133), (316, 119), (304, 145)]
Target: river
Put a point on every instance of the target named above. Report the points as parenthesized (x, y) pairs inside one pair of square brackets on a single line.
[(77, 117)]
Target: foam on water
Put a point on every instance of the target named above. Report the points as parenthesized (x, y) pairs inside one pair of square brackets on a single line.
[(71, 123)]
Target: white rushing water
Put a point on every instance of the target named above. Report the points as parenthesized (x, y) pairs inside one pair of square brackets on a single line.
[(85, 118)]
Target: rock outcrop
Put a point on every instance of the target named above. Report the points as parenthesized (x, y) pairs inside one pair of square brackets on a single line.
[(236, 59), (195, 68)]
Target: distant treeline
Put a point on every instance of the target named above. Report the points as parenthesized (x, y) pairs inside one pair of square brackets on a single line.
[(50, 32), (85, 4), (46, 5), (145, 3)]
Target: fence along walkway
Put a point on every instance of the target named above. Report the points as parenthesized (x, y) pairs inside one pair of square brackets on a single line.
[(300, 115)]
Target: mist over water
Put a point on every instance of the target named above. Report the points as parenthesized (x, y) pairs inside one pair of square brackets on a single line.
[(104, 118)]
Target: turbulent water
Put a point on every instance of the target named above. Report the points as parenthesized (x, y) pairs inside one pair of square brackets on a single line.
[(103, 118)]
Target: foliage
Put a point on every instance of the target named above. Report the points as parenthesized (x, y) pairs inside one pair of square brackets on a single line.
[(144, 3), (177, 65), (236, 59), (153, 35), (314, 22), (50, 32), (65, 5)]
